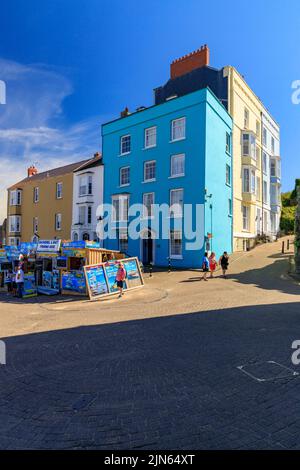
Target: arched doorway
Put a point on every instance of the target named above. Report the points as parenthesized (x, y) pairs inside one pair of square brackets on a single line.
[(75, 237), (86, 236), (147, 246)]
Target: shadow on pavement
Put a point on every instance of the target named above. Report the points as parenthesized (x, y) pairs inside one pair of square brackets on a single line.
[(161, 383), (270, 277)]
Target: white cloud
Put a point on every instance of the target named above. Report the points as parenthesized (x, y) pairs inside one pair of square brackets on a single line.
[(32, 124)]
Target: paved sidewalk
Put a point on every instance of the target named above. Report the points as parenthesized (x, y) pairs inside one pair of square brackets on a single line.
[(254, 278), (181, 364)]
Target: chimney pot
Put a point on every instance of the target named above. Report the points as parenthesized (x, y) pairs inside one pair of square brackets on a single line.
[(31, 171)]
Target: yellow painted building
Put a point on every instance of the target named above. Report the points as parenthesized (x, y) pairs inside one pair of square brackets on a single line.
[(252, 201), (40, 206)]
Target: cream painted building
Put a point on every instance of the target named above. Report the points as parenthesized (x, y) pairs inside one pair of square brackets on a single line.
[(40, 206), (256, 147)]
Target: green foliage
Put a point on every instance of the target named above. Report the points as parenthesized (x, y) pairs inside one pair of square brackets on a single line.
[(289, 203), (287, 221)]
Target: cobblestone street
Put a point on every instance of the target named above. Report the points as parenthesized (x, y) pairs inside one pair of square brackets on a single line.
[(180, 364)]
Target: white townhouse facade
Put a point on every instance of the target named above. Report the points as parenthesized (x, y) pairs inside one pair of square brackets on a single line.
[(87, 196), (271, 189)]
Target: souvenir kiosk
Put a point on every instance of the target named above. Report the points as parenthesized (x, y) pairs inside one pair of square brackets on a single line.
[(5, 266), (9, 261), (46, 271), (74, 257)]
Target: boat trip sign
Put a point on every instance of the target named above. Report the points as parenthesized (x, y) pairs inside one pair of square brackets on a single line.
[(48, 246)]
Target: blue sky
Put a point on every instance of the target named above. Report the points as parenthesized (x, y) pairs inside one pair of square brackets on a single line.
[(70, 65)]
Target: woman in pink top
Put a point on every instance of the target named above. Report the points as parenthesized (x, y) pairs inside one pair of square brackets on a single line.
[(120, 278)]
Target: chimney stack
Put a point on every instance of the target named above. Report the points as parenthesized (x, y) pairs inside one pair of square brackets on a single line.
[(31, 171), (189, 62), (125, 112), (97, 155)]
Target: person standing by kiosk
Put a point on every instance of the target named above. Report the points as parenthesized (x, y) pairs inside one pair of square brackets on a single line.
[(20, 281)]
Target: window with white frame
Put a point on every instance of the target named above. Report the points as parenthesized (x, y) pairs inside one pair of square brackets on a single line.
[(258, 129), (265, 221), (253, 181), (246, 118), (90, 185), (57, 221), (264, 136), (265, 192), (228, 174), (177, 165), (257, 154), (125, 176), (176, 202), (59, 187), (125, 145), (178, 129), (150, 137), (273, 168), (14, 241), (123, 240), (81, 215), (175, 243), (246, 180), (273, 194), (120, 208), (272, 144), (36, 194), (273, 222), (228, 142), (229, 206), (85, 185), (15, 223), (15, 197), (258, 220), (245, 211), (264, 162), (150, 170), (148, 202), (257, 187), (249, 145), (35, 225), (89, 214)]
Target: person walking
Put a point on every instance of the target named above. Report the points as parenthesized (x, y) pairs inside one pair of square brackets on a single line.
[(20, 281), (212, 263), (205, 266), (224, 262), (120, 278)]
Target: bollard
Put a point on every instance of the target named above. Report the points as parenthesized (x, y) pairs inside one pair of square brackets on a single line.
[(150, 270), (282, 250), (169, 267), (288, 245)]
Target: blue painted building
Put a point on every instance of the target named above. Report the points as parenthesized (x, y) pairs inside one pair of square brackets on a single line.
[(176, 153)]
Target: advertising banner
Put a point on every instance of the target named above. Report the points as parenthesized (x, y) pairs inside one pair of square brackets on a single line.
[(48, 246), (101, 278), (74, 281)]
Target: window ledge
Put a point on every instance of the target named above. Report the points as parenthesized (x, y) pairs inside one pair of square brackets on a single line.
[(124, 154), (149, 181), (176, 257), (150, 147), (177, 140), (176, 176)]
